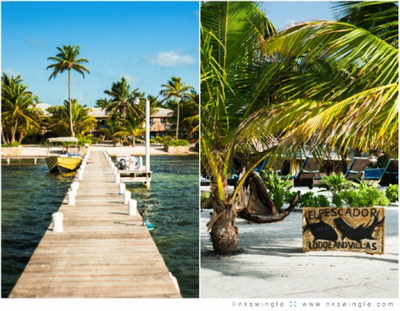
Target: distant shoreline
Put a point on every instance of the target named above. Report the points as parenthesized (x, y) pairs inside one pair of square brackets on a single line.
[(37, 150)]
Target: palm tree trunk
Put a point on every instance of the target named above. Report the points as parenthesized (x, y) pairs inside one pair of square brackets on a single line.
[(70, 105), (5, 141), (177, 118), (21, 137), (14, 131)]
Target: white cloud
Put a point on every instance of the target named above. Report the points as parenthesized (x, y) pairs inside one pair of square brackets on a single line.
[(12, 72), (35, 42), (170, 59), (129, 78)]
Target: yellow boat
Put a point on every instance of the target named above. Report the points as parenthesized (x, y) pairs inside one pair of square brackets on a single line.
[(68, 161)]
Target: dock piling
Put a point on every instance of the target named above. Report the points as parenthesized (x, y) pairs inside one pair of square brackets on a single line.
[(127, 197), (58, 222), (121, 188), (132, 207), (71, 198)]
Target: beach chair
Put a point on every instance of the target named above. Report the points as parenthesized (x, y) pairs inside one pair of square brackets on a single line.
[(390, 175), (309, 172), (356, 169)]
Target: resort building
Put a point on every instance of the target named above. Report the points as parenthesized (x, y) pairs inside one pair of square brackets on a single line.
[(161, 122)]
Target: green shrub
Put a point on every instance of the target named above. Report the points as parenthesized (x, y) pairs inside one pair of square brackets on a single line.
[(95, 140), (334, 183), (126, 143), (178, 142), (289, 196), (366, 197), (309, 199), (14, 144), (84, 141), (392, 193), (277, 187)]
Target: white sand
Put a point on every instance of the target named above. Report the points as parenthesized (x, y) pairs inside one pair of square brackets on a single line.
[(273, 265), (139, 149)]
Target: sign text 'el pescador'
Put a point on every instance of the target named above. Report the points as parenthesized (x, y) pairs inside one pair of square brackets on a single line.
[(355, 229)]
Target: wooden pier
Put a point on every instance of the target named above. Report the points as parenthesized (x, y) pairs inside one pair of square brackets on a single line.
[(102, 251)]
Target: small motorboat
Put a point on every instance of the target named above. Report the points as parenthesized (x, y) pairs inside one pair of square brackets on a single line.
[(68, 161), (127, 162)]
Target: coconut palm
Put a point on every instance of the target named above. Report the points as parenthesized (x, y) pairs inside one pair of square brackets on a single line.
[(103, 103), (343, 89), (190, 114), (18, 109), (131, 126), (122, 99), (177, 89), (235, 76), (82, 121), (112, 130), (67, 60)]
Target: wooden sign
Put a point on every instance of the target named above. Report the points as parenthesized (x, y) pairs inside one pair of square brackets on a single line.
[(346, 229)]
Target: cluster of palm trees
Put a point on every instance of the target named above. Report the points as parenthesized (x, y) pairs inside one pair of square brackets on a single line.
[(18, 113), (126, 119), (319, 86), (20, 116)]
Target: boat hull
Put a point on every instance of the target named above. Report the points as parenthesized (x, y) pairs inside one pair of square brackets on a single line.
[(63, 164)]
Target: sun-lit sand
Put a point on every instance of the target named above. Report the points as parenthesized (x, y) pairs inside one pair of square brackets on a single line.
[(139, 149), (272, 265)]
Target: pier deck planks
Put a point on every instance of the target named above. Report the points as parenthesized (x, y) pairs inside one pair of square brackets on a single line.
[(102, 252)]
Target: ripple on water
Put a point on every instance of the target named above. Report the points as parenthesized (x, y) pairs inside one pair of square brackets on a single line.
[(172, 205)]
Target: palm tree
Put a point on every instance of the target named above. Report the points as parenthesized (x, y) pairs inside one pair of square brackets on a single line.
[(131, 126), (190, 114), (67, 60), (103, 103), (178, 90), (18, 106), (82, 121), (122, 99), (344, 90), (234, 78), (112, 130)]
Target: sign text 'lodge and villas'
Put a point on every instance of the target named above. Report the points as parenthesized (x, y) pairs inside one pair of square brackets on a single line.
[(350, 229)]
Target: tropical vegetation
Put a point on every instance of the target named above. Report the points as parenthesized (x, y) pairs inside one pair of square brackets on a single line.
[(315, 87), (19, 114), (177, 89), (66, 60)]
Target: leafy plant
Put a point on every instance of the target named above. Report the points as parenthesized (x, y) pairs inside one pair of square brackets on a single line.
[(178, 142), (364, 198), (84, 141), (14, 144), (277, 187), (334, 183), (310, 199), (392, 193)]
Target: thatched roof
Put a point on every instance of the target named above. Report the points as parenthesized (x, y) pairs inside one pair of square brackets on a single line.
[(157, 127)]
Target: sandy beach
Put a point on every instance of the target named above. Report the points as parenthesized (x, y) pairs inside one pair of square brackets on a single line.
[(139, 149), (271, 264)]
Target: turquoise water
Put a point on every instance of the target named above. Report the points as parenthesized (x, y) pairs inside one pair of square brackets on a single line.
[(30, 196), (173, 207)]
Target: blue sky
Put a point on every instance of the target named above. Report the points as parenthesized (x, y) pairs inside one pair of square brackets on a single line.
[(284, 13), (146, 42)]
